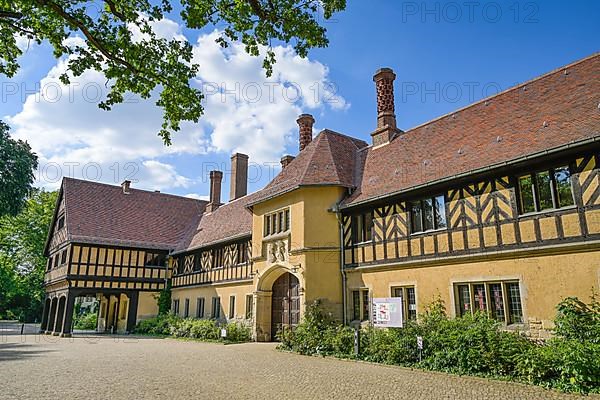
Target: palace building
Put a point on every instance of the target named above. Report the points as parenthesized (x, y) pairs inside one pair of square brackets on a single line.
[(494, 207)]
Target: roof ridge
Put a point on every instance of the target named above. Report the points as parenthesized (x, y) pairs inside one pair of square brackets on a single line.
[(352, 139), (509, 90), (152, 192)]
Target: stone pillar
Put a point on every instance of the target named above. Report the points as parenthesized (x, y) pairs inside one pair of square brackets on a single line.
[(51, 315), (68, 316), (262, 317), (132, 312), (60, 312), (44, 323)]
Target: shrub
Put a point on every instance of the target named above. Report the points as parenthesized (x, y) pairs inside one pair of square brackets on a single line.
[(571, 360), (202, 329), (160, 325), (87, 322)]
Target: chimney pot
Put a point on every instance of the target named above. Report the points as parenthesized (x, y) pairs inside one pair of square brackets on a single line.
[(386, 113), (285, 160), (239, 176), (305, 125), (126, 185), (215, 190)]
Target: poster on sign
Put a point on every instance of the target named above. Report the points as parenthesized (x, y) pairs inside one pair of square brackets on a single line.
[(387, 312)]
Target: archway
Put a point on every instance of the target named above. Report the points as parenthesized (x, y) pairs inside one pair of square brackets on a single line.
[(285, 304)]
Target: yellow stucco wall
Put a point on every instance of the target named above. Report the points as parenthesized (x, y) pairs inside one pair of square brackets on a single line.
[(147, 305), (239, 290), (544, 280)]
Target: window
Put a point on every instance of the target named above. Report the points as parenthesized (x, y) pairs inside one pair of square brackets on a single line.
[(242, 253), (267, 225), (63, 257), (428, 214), (277, 222), (545, 190), (360, 305), (287, 220), (500, 300), (362, 227), (249, 305), (216, 307), (176, 307), (61, 223), (409, 301), (200, 307), (231, 307), (186, 308)]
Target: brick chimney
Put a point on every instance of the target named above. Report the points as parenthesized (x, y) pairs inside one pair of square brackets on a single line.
[(386, 115), (285, 160), (126, 185), (239, 176), (305, 124), (215, 190)]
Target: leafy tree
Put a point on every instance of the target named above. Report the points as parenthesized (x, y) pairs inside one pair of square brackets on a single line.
[(139, 63), (17, 163), (22, 261)]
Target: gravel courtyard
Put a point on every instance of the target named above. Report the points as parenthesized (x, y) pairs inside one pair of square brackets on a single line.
[(42, 367)]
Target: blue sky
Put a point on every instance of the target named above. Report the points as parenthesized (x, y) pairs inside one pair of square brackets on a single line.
[(445, 54)]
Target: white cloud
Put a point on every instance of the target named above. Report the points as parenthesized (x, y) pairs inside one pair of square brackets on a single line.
[(245, 112), (197, 196)]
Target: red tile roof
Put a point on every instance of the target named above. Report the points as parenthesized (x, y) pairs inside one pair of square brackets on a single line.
[(228, 222), (102, 214), (330, 159), (555, 109)]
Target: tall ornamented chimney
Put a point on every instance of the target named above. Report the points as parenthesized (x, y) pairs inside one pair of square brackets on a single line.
[(239, 176), (126, 185), (305, 124), (386, 115), (285, 160), (215, 190)]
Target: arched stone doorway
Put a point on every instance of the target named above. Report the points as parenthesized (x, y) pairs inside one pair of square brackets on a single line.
[(285, 304)]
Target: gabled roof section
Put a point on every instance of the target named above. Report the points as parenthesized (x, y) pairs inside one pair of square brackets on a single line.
[(329, 160), (228, 222), (98, 213), (554, 110)]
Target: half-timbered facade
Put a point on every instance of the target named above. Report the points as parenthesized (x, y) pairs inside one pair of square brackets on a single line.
[(107, 242), (492, 208)]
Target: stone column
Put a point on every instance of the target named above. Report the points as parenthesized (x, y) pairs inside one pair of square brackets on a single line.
[(262, 317), (132, 312), (51, 315), (68, 316), (44, 323), (60, 312)]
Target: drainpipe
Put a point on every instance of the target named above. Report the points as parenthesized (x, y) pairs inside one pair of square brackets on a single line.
[(342, 262)]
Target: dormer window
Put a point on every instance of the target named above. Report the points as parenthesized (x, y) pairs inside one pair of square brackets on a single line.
[(277, 222)]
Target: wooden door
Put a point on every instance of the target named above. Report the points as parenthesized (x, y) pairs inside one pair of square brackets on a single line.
[(285, 309)]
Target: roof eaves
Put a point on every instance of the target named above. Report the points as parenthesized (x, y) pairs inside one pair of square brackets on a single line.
[(487, 168)]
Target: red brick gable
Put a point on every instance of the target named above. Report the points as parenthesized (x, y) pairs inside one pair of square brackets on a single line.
[(555, 109)]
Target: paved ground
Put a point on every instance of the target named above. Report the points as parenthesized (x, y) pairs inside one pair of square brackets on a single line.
[(42, 367)]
